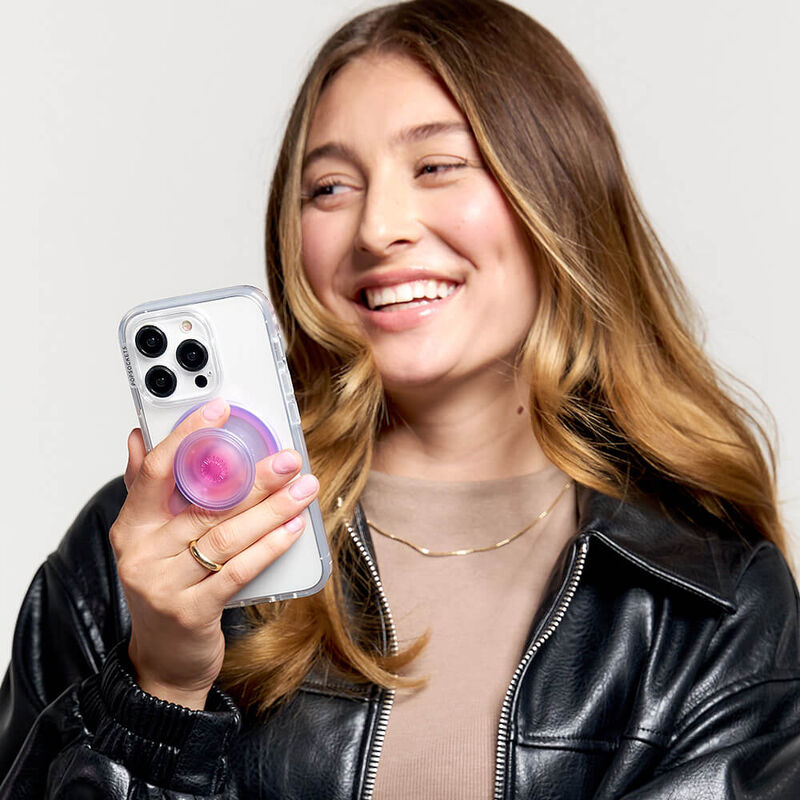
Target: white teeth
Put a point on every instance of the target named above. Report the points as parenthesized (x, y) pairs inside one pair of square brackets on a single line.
[(377, 297), (404, 293)]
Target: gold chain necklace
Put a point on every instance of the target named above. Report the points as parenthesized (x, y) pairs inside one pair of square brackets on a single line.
[(426, 551)]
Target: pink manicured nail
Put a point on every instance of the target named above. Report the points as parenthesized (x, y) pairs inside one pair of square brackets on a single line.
[(285, 462), (294, 525), (215, 409), (303, 487)]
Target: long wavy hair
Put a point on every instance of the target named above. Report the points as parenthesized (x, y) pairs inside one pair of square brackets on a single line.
[(622, 397)]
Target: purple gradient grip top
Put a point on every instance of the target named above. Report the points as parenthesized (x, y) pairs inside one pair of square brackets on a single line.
[(215, 467)]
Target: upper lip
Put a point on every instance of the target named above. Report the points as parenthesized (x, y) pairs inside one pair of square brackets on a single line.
[(390, 277)]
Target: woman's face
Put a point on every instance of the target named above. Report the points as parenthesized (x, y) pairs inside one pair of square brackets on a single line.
[(404, 231)]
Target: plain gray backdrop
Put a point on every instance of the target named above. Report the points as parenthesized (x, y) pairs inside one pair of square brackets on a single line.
[(137, 146)]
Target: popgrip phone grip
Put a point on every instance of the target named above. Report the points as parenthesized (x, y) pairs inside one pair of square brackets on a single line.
[(215, 467)]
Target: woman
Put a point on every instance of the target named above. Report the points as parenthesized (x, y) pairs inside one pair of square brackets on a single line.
[(576, 528)]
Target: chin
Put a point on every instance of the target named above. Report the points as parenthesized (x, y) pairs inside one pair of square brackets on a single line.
[(414, 376), (392, 382)]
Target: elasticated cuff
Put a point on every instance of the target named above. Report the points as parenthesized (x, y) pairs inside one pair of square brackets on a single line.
[(163, 743)]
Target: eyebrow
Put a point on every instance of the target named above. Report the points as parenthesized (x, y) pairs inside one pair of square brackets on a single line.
[(410, 135)]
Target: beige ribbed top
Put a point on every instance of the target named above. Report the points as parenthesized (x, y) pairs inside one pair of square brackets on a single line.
[(440, 741)]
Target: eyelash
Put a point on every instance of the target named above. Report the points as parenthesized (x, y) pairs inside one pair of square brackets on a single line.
[(444, 166), (318, 190)]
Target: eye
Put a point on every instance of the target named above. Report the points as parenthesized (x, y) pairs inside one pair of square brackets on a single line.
[(439, 168), (327, 189)]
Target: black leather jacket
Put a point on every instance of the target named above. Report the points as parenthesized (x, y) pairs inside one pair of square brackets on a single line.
[(664, 664)]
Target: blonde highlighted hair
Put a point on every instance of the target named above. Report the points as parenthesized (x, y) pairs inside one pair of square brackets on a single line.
[(622, 397)]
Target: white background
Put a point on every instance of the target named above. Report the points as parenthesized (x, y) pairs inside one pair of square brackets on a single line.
[(137, 145)]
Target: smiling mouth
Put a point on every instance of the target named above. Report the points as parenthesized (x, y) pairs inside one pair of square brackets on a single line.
[(411, 294)]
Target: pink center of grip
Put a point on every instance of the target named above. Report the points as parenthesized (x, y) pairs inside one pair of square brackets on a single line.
[(214, 469)]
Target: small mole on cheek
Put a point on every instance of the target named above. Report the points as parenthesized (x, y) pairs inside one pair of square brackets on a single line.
[(520, 410)]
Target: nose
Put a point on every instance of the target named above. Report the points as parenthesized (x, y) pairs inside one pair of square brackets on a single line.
[(388, 218)]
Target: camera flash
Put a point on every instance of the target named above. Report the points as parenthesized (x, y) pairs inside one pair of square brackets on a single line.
[(186, 326)]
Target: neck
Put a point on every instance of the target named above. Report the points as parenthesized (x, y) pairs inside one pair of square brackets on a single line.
[(461, 433)]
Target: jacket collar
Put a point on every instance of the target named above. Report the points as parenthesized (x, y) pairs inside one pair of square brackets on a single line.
[(705, 560)]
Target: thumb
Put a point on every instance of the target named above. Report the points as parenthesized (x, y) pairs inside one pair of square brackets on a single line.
[(136, 454), (152, 482)]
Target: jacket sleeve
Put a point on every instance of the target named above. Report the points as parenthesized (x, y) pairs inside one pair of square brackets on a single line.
[(738, 737), (73, 722)]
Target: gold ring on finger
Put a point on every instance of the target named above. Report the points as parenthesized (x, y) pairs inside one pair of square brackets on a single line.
[(203, 561)]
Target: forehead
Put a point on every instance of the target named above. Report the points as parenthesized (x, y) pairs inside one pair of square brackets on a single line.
[(374, 96)]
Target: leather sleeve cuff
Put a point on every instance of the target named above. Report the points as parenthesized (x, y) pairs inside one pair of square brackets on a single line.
[(162, 743)]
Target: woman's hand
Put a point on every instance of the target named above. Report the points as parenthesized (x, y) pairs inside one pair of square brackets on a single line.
[(176, 604)]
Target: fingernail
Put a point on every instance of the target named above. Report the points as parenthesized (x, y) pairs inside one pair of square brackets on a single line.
[(303, 487), (285, 462), (215, 409), (294, 525)]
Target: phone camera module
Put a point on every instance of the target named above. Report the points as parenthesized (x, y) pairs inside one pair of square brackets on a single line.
[(160, 381), (192, 355), (151, 341)]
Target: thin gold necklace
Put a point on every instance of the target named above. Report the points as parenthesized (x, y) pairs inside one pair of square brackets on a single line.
[(426, 551)]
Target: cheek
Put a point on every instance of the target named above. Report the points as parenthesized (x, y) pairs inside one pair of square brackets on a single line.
[(319, 252), (481, 227), (479, 224)]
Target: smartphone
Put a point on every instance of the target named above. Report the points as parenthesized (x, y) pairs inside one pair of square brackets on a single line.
[(181, 352)]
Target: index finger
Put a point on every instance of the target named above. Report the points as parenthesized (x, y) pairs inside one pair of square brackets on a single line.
[(155, 481)]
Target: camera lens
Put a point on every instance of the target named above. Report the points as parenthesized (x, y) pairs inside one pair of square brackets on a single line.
[(192, 355), (160, 381), (150, 341)]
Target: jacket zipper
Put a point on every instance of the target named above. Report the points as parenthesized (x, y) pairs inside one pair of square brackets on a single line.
[(555, 616), (388, 694)]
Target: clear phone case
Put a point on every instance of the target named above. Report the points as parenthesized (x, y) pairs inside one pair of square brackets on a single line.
[(245, 363)]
